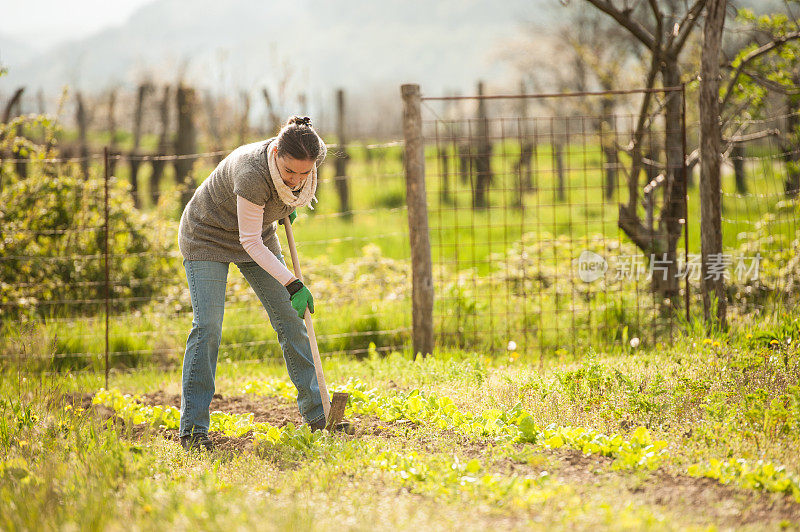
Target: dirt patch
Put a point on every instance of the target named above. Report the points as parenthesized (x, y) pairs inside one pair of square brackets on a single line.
[(74, 399), (273, 410), (710, 501), (221, 443), (730, 505)]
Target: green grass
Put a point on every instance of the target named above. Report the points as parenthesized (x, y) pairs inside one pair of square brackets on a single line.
[(711, 400)]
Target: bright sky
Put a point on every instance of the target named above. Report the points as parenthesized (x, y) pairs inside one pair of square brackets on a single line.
[(42, 23)]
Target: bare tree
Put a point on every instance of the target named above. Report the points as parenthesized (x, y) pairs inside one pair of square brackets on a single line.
[(82, 117), (664, 35), (710, 142), (112, 129), (586, 52), (13, 109), (244, 124), (274, 119), (483, 156)]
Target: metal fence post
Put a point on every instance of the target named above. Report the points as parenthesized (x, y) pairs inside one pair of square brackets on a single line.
[(419, 240), (107, 290), (685, 175)]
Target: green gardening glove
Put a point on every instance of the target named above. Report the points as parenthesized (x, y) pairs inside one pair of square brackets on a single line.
[(301, 297), (292, 216)]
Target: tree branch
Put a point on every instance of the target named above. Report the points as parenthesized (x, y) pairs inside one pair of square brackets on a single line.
[(755, 54), (626, 21), (754, 136), (640, 235), (659, 19), (769, 84), (685, 27)]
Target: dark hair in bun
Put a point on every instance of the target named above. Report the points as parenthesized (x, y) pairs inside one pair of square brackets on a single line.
[(299, 140)]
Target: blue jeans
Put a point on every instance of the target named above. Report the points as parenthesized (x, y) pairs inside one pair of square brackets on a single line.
[(207, 282)]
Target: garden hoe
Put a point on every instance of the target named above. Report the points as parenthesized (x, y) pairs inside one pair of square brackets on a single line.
[(334, 410)]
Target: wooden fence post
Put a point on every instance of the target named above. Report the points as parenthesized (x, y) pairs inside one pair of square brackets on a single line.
[(341, 159), (186, 141), (135, 162), (483, 155), (164, 146), (421, 270), (710, 149), (83, 126)]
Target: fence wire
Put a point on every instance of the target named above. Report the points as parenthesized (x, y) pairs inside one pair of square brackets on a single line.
[(537, 260), (352, 247), (531, 250), (538, 244)]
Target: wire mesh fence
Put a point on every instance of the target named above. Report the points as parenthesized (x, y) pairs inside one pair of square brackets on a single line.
[(53, 286), (569, 221), (541, 238), (528, 252), (760, 185)]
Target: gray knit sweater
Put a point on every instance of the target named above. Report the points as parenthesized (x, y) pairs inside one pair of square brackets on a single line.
[(209, 228)]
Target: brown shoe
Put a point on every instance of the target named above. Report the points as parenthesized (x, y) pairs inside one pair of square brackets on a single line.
[(198, 441), (342, 426)]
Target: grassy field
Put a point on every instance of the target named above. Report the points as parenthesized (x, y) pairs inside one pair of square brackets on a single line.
[(699, 434)]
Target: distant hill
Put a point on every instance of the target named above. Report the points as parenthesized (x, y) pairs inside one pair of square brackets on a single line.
[(309, 46), (232, 43), (13, 52)]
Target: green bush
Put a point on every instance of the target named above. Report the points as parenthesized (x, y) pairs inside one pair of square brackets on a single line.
[(52, 234)]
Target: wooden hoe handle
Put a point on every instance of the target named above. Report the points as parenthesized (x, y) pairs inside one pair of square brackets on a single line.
[(312, 338)]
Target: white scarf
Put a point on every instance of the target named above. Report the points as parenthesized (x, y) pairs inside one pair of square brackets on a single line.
[(309, 186)]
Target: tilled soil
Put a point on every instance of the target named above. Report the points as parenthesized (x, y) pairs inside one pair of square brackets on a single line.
[(273, 410), (719, 504)]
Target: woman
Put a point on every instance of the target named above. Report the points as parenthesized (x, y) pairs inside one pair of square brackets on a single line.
[(231, 218)]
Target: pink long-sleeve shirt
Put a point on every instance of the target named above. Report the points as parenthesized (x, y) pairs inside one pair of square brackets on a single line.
[(251, 219)]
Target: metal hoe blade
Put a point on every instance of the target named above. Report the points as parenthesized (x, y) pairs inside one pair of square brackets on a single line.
[(336, 413)]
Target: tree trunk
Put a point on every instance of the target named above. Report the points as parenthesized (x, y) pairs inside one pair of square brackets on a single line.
[(465, 162), (610, 155), (558, 158), (112, 132), (710, 141), (244, 124), (444, 173), (673, 211), (210, 104), (274, 121), (13, 109), (8, 114), (523, 166)]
